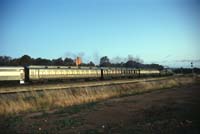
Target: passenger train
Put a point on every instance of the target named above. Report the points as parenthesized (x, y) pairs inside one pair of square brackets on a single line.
[(39, 73)]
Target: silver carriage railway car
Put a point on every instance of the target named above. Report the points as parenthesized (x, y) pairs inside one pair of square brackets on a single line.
[(12, 74), (119, 72), (149, 72), (166, 72), (60, 72)]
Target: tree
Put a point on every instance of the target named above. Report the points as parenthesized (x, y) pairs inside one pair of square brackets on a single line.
[(5, 60), (25, 60), (91, 64), (41, 61), (58, 62), (15, 62), (156, 66), (105, 62), (132, 64), (69, 62)]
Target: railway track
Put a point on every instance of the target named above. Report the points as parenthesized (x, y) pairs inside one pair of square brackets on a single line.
[(60, 86)]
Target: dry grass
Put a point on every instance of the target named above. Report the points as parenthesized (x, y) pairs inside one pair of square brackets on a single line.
[(34, 101)]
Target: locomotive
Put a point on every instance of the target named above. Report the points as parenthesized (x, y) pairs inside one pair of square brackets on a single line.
[(40, 73)]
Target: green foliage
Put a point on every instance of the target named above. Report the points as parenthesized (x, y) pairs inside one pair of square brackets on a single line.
[(105, 62)]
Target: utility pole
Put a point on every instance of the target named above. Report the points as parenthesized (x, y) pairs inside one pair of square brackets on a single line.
[(192, 68)]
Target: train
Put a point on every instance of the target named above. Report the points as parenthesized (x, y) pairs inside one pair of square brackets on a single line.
[(31, 73)]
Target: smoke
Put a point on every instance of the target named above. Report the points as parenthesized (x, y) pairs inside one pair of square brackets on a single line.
[(81, 54), (70, 55), (118, 59), (75, 55), (96, 57), (84, 57), (129, 57)]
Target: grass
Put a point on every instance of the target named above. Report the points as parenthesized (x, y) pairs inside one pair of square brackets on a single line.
[(8, 124), (90, 131), (76, 108), (67, 123), (47, 100)]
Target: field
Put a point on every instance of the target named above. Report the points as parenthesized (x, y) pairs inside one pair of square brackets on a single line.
[(163, 106)]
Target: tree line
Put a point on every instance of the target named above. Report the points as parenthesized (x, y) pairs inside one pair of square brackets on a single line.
[(187, 70), (104, 62), (27, 60), (131, 63)]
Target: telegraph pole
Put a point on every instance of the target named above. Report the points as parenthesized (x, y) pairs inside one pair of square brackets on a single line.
[(192, 68)]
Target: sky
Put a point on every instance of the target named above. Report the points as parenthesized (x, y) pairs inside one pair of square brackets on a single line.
[(166, 32)]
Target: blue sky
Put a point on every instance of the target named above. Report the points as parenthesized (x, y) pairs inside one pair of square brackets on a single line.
[(160, 31)]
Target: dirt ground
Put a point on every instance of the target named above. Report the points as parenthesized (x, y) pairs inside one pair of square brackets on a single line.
[(169, 111)]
